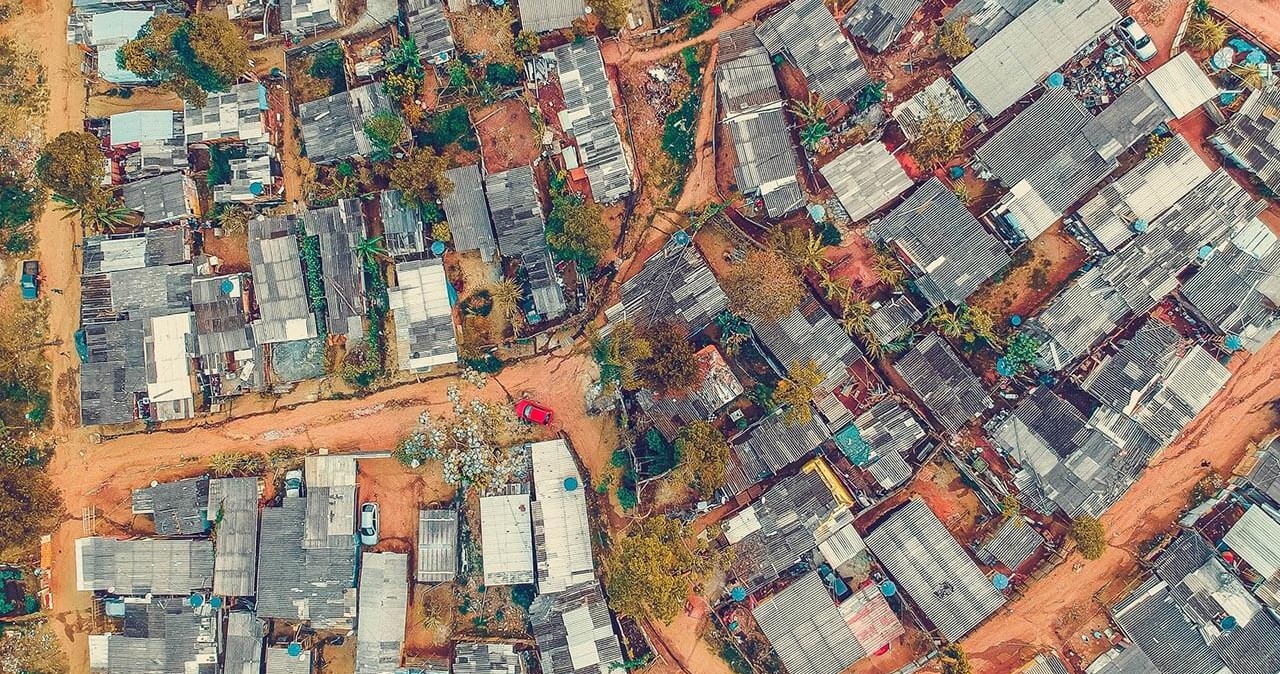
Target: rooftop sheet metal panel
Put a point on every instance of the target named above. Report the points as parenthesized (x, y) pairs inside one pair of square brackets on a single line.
[(383, 604), (437, 546), (143, 566), (235, 563), (1182, 85), (808, 332), (561, 528), (865, 178), (806, 30), (574, 631), (506, 536), (807, 631), (674, 283), (880, 22), (425, 334), (934, 570), (468, 213), (1013, 543), (948, 388)]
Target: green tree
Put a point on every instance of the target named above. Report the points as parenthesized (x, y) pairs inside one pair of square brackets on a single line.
[(1205, 33), (764, 286), (1089, 535), (72, 165), (419, 175), (370, 250), (527, 43), (870, 95), (982, 324), (797, 389), (671, 366), (704, 457), (576, 230), (619, 355), (948, 322), (953, 38), (650, 570), (938, 140), (384, 129), (1021, 352), (501, 74), (612, 13), (191, 56), (29, 506), (887, 268), (237, 464), (101, 213), (954, 660)]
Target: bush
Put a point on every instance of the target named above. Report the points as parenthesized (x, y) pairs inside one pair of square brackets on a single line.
[(488, 364), (328, 64), (1089, 536), (501, 75), (451, 126)]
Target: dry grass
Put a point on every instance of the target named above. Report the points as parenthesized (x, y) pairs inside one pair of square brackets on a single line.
[(487, 31)]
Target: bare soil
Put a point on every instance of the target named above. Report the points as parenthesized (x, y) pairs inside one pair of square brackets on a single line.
[(507, 137), (1038, 271)]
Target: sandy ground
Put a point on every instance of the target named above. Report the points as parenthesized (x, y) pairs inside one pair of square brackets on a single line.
[(1241, 413), (1258, 16)]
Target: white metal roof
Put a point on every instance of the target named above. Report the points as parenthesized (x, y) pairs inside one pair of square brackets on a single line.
[(865, 178), (383, 603), (1256, 538), (560, 522), (1181, 84), (1033, 45), (506, 538)]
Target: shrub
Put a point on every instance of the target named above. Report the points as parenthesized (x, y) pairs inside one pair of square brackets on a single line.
[(501, 75)]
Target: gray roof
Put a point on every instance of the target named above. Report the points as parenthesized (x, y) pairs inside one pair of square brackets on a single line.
[(807, 32), (143, 293), (163, 636), (772, 446), (574, 631), (401, 224), (880, 22), (340, 229), (298, 581), (947, 387), (143, 566), (1227, 290), (894, 319), (168, 197), (243, 653), (278, 661), (865, 178), (766, 159), (154, 247), (1152, 618), (279, 289), (384, 602), (437, 546), (1173, 400), (1251, 138), (1048, 146), (588, 117), (807, 631), (746, 81), (540, 16), (233, 502), (429, 27), (789, 515), (719, 387), (114, 376), (425, 335), (177, 508), (333, 127), (1143, 193), (810, 333), (234, 113), (468, 213), (674, 283), (518, 220), (1028, 48), (1265, 475), (221, 317), (934, 570), (1042, 421), (1012, 544), (1046, 663), (987, 17), (1123, 660), (946, 249), (1122, 375), (890, 430), (309, 15), (1136, 278), (486, 658)]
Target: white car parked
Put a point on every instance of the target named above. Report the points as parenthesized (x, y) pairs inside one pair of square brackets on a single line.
[(369, 524), (1136, 39)]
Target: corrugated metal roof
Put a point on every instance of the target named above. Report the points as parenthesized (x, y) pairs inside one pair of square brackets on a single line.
[(137, 126), (934, 570), (810, 333), (894, 319), (674, 282), (937, 96), (1143, 193), (785, 522), (766, 159), (746, 81), (302, 16), (806, 30), (985, 18), (401, 224), (941, 243), (1032, 45), (437, 546), (541, 16), (425, 335), (588, 117), (873, 622), (340, 229), (305, 581), (506, 537), (235, 113), (1123, 660), (279, 289), (1041, 419), (889, 430), (221, 317), (561, 528), (948, 388), (1255, 537), (807, 631), (428, 25), (234, 500), (1227, 292), (333, 127), (161, 636), (574, 631), (177, 508), (153, 247), (1012, 544), (143, 566), (165, 198), (518, 220), (880, 22), (278, 661), (468, 213), (1182, 85), (865, 178), (720, 386), (243, 654), (1155, 622), (486, 658), (384, 603), (1251, 138)]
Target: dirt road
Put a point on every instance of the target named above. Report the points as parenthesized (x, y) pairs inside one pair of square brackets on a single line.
[(741, 14), (1242, 412)]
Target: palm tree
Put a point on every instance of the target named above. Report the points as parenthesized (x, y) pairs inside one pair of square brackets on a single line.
[(888, 269), (813, 134), (871, 344), (101, 213), (814, 255), (370, 250), (947, 322), (983, 324), (854, 316), (506, 297), (814, 109)]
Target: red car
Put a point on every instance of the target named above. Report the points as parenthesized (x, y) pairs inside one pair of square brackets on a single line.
[(533, 412)]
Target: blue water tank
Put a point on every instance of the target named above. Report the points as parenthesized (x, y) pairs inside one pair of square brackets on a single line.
[(437, 248), (738, 594), (1001, 581), (570, 483), (888, 589), (1056, 80), (681, 238), (294, 649), (195, 599)]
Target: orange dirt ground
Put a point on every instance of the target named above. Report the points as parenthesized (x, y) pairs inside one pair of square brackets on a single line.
[(506, 135), (1054, 257)]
